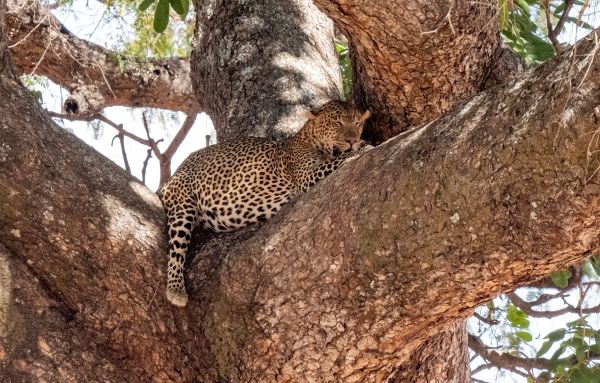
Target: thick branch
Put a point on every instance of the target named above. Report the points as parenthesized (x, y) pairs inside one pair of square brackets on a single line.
[(96, 76), (426, 227)]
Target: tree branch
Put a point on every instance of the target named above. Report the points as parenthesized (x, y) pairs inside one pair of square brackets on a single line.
[(553, 32), (122, 142), (101, 117), (502, 359), (527, 308), (96, 77), (487, 320)]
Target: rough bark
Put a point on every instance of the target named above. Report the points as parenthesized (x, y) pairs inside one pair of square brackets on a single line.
[(443, 358), (257, 65), (343, 286), (414, 60), (96, 76), (81, 259)]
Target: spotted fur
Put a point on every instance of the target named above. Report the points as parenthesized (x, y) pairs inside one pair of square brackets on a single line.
[(235, 183)]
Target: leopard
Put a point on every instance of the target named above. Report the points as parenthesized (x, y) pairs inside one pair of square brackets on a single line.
[(236, 183)]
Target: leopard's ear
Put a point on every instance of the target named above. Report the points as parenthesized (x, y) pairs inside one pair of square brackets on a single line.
[(365, 115), (309, 115)]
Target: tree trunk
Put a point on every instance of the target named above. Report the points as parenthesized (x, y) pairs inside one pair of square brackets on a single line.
[(412, 61), (258, 65), (343, 285), (443, 358)]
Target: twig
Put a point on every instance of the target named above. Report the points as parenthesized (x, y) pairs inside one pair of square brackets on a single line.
[(487, 320), (151, 142), (122, 139), (148, 156), (503, 359), (441, 23), (43, 55), (582, 10), (30, 32), (554, 31), (183, 131), (98, 116), (527, 308)]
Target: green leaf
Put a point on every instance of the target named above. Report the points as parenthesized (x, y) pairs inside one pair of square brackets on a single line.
[(179, 6), (521, 323), (38, 95), (524, 6), (556, 335), (524, 335), (544, 349), (145, 4), (502, 14), (530, 379), (581, 353), (595, 263), (558, 10), (560, 278), (559, 352), (583, 374), (579, 323), (161, 17), (582, 24)]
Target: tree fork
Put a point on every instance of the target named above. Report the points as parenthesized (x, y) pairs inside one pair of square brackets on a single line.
[(429, 56), (346, 284)]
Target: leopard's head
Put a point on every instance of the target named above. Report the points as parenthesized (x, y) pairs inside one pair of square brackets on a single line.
[(336, 127)]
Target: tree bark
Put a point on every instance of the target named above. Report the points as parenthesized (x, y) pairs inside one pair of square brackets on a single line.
[(96, 76), (258, 65), (347, 283), (443, 358), (413, 61), (343, 285)]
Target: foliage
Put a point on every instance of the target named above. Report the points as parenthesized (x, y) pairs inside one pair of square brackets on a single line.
[(345, 65), (571, 352), (523, 24), (33, 82)]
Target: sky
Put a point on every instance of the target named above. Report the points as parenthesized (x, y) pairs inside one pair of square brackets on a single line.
[(88, 21)]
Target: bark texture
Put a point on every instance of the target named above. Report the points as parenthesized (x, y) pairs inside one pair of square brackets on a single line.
[(97, 77), (257, 65), (346, 284), (443, 358), (414, 60), (82, 254)]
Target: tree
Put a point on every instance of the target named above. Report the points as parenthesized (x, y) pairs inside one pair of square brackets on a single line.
[(346, 284)]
